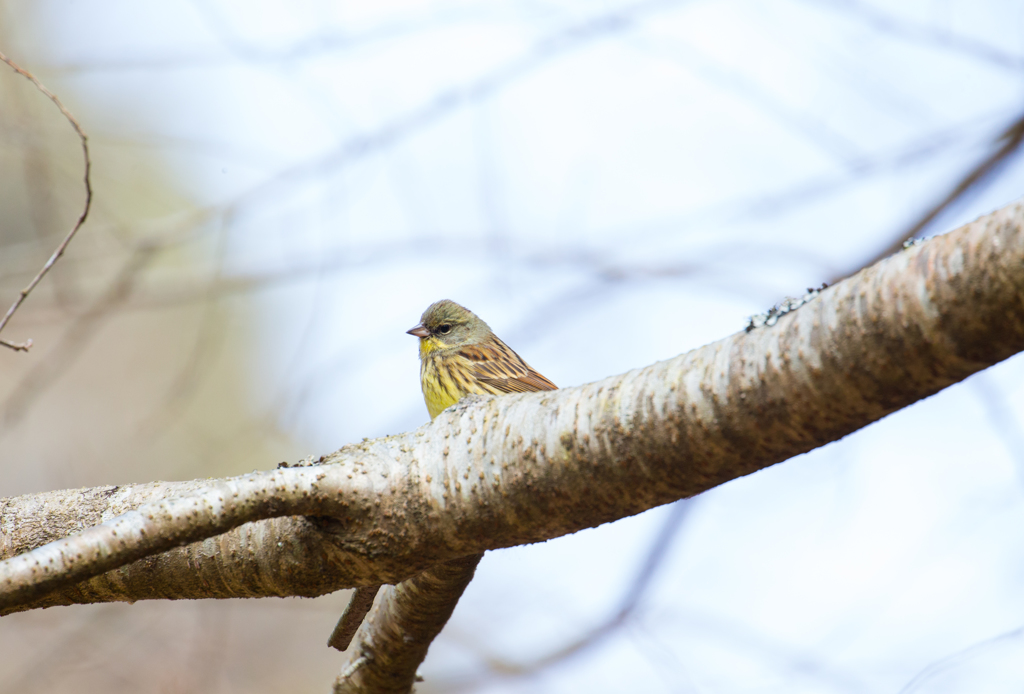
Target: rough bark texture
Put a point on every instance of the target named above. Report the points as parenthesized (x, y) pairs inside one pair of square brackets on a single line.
[(394, 638), (495, 472), (274, 558)]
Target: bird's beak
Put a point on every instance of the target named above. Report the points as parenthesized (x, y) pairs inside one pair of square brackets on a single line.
[(419, 331)]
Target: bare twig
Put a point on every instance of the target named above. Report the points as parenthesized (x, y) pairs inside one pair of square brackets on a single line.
[(24, 346)]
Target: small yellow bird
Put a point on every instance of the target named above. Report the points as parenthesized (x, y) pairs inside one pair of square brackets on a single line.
[(460, 355)]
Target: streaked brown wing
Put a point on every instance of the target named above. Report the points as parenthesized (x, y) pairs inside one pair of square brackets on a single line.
[(496, 365)]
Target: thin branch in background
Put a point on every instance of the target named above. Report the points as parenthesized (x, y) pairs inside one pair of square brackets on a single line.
[(959, 658), (1008, 144), (63, 652), (313, 46), (652, 562), (73, 341), (943, 39), (1001, 416), (774, 204), (597, 262), (210, 334), (673, 671), (444, 103), (453, 99), (713, 629), (799, 121), (24, 346), (239, 49), (728, 212), (733, 211)]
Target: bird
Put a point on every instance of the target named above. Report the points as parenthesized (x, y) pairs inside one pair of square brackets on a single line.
[(460, 354)]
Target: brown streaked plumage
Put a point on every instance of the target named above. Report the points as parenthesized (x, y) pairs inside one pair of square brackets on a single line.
[(460, 355)]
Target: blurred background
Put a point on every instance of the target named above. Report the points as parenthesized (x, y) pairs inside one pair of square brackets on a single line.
[(282, 188)]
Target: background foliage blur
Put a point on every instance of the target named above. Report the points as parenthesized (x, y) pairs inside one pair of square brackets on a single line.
[(281, 188)]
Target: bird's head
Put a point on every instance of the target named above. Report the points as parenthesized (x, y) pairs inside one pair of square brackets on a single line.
[(446, 325)]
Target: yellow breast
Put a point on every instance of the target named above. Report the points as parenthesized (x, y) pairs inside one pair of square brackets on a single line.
[(446, 378)]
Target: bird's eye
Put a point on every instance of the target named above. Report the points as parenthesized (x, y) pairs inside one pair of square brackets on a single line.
[(444, 328)]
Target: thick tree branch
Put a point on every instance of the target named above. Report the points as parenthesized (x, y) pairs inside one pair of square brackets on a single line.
[(496, 472), (394, 638)]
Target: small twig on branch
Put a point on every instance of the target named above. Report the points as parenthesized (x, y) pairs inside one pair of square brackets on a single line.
[(24, 346), (348, 625)]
